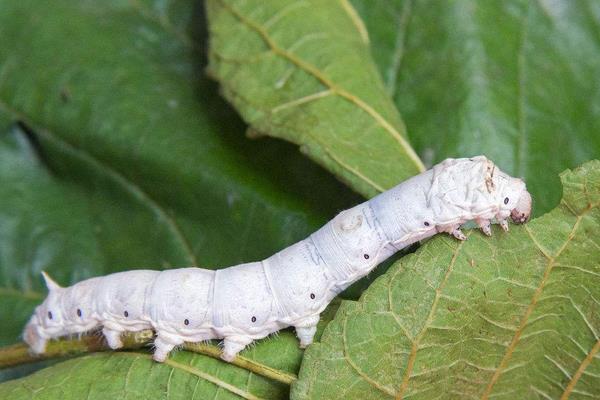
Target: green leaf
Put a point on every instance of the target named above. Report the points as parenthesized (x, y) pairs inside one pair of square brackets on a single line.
[(136, 376), (515, 80), (512, 316), (301, 71), (116, 153)]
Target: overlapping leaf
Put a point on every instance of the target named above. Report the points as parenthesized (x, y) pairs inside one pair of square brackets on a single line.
[(515, 80), (301, 70), (512, 316)]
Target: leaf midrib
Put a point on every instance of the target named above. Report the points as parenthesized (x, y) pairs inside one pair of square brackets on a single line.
[(582, 366)]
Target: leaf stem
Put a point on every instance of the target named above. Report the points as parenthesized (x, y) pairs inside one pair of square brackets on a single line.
[(18, 354), (243, 362)]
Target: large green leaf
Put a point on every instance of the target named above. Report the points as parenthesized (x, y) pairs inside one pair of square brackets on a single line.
[(125, 157), (513, 316), (301, 70), (516, 80)]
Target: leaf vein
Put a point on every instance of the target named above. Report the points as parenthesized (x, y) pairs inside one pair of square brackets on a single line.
[(356, 20), (584, 364), (302, 100)]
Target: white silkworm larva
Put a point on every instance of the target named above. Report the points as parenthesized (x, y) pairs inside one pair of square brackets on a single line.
[(291, 288)]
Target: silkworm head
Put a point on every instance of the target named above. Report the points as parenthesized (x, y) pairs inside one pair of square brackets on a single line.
[(45, 323), (522, 211), (512, 198), (47, 320)]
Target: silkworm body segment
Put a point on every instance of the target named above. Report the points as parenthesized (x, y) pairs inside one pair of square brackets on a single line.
[(247, 302)]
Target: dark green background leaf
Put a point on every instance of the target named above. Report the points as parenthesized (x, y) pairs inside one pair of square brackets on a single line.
[(126, 158), (516, 80), (512, 316)]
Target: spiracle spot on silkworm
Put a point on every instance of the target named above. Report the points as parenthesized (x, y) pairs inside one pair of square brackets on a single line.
[(253, 319), (366, 256), (506, 200), (126, 314), (426, 223), (312, 296), (49, 314), (79, 312), (186, 321)]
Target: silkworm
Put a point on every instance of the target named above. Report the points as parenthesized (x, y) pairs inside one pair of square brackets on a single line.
[(247, 302)]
